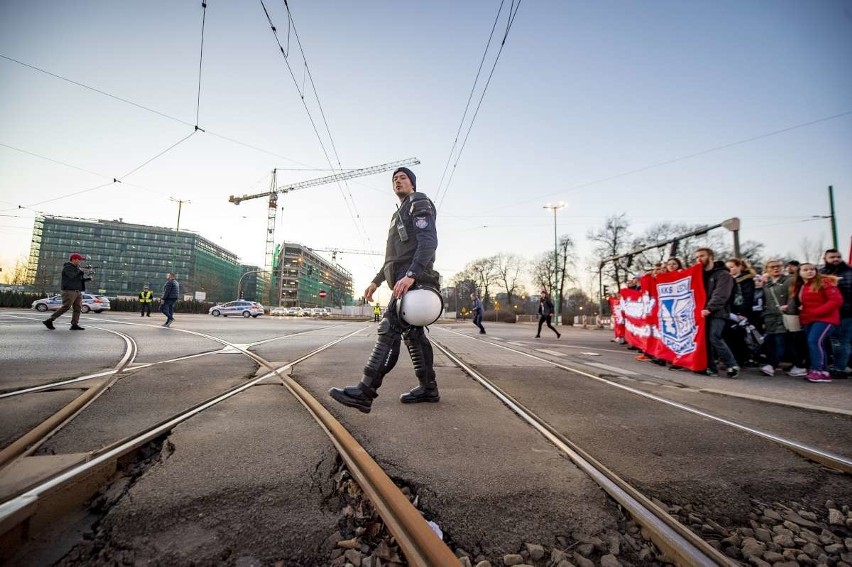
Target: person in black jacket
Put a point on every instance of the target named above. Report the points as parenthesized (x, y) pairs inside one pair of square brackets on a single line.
[(545, 313), (171, 293), (841, 341), (73, 285), (718, 286), (409, 259)]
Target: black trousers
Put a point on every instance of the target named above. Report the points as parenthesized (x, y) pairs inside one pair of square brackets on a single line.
[(145, 308), (545, 319)]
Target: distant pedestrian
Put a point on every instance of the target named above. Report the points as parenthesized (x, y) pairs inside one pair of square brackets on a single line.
[(377, 313), (146, 297), (476, 310), (171, 290), (545, 314), (73, 285)]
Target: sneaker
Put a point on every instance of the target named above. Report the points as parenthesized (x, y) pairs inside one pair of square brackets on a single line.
[(675, 367), (767, 370), (49, 324), (643, 358), (817, 376), (481, 332), (707, 372), (558, 336), (77, 328), (733, 371), (796, 371)]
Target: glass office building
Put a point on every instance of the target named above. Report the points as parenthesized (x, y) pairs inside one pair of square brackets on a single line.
[(128, 256), (304, 274)]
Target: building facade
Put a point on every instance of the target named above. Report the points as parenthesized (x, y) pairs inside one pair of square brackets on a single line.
[(302, 276), (128, 256)]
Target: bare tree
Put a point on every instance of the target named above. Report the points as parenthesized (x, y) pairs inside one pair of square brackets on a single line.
[(542, 271), (811, 250), (483, 273), (566, 259), (507, 268), (613, 239), (18, 274)]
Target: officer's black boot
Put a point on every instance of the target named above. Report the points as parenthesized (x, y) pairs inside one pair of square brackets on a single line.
[(421, 356), (361, 396)]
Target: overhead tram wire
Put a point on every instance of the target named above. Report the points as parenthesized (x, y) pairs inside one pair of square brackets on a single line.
[(147, 109), (200, 61), (688, 156), (513, 11), (285, 54), (469, 98)]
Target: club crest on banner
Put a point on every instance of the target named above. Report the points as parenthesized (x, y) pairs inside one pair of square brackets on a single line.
[(677, 315)]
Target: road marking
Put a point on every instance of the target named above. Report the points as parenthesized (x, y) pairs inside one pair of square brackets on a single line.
[(235, 348), (615, 369), (551, 352), (591, 353)]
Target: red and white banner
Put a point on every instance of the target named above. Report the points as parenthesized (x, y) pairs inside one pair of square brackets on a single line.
[(617, 317), (663, 317)]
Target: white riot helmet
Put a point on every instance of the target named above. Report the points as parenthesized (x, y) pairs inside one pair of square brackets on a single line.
[(420, 306)]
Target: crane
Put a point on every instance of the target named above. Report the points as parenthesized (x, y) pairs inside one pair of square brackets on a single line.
[(275, 190), (336, 251)]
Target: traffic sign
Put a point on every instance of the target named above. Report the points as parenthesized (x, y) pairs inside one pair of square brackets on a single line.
[(322, 294)]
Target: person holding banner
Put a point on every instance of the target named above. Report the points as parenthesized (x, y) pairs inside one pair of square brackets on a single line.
[(718, 285)]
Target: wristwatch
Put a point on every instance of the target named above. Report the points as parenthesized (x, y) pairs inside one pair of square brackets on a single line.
[(410, 274)]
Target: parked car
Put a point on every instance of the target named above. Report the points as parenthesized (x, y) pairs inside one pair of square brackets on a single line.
[(238, 307), (294, 311), (278, 311), (96, 303)]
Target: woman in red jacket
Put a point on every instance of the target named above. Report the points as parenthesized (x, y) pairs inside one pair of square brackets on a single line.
[(819, 313)]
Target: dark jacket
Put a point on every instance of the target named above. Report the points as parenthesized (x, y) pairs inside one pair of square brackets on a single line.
[(170, 290), (777, 294), (844, 284), (412, 242), (718, 285), (742, 298), (73, 278), (545, 307)]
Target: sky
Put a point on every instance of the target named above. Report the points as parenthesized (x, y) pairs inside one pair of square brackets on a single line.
[(665, 111)]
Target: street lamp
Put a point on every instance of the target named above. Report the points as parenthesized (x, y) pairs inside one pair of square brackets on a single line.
[(240, 283), (555, 207)]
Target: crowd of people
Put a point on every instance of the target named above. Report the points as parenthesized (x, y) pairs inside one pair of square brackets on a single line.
[(791, 316)]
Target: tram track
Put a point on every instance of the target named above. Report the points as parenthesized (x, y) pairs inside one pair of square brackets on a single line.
[(28, 506), (680, 543), (677, 542)]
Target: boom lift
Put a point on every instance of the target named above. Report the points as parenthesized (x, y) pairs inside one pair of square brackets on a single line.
[(274, 191)]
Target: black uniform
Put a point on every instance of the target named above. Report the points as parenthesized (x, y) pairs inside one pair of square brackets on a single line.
[(410, 251)]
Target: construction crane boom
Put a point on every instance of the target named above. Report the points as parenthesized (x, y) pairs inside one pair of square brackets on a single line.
[(328, 179), (275, 190), (336, 251)]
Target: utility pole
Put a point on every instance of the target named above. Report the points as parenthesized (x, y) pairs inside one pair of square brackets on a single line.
[(833, 218), (180, 203), (557, 291)]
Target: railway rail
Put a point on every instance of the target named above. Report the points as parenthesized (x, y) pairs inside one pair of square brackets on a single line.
[(677, 543)]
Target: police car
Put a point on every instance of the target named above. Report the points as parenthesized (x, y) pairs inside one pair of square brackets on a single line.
[(96, 303), (239, 307)]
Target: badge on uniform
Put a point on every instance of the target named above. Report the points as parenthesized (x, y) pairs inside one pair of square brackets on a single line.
[(421, 222)]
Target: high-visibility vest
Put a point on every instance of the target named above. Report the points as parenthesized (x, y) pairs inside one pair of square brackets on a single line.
[(377, 310), (146, 296)]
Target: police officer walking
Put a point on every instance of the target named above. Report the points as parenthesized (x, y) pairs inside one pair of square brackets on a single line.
[(146, 297), (73, 285), (409, 257)]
